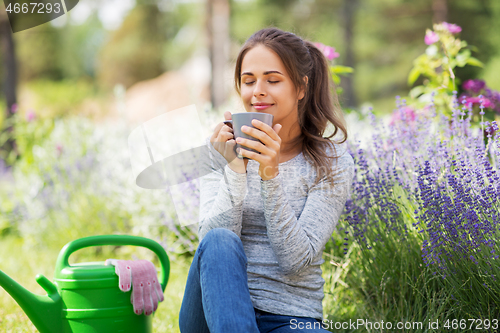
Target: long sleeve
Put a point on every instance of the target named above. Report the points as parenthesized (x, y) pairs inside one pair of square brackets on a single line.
[(222, 192), (296, 242)]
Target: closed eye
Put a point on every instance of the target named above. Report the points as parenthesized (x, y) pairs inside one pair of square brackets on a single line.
[(252, 82)]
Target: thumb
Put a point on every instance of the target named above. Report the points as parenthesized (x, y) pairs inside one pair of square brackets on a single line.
[(227, 115), (277, 128)]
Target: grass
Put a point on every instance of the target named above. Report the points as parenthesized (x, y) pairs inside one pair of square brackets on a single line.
[(23, 264)]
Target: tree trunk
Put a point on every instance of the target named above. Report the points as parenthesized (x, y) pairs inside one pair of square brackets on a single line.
[(440, 9), (218, 45), (349, 11), (9, 80)]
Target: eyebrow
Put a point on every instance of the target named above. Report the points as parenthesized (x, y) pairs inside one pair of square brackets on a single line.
[(265, 73)]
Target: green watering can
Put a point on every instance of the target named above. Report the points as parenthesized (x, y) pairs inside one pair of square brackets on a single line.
[(85, 297)]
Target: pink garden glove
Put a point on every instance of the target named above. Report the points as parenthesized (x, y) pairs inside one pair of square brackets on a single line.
[(141, 274)]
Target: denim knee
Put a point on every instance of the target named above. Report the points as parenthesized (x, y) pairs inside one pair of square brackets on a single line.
[(222, 240)]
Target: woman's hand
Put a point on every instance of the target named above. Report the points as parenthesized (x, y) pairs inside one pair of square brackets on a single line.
[(269, 148), (223, 141)]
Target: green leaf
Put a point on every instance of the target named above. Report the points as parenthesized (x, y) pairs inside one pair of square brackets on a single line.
[(341, 69), (462, 58), (417, 91), (413, 76), (474, 48), (335, 78), (475, 62)]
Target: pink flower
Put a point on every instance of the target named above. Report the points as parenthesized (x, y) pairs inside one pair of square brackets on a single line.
[(474, 85), (452, 28), (406, 113), (14, 108), (328, 51), (471, 101), (430, 37), (59, 149), (30, 116)]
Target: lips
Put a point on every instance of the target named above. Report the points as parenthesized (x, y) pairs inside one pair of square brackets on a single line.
[(261, 106)]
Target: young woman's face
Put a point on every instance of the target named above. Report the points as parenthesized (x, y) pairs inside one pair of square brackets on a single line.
[(266, 86)]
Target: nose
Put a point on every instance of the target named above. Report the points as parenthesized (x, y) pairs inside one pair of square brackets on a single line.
[(259, 89)]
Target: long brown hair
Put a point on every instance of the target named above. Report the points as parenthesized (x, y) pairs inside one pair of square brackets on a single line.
[(320, 103)]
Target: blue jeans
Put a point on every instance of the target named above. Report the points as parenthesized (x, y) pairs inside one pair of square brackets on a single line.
[(217, 299)]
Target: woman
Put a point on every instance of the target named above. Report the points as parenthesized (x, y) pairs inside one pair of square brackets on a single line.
[(265, 220)]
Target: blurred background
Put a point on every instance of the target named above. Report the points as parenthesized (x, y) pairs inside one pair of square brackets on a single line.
[(72, 90), (179, 52)]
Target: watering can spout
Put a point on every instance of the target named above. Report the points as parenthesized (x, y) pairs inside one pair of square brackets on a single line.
[(43, 311)]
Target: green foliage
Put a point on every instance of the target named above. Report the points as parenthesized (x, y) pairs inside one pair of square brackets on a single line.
[(133, 52), (26, 131), (78, 48), (38, 53), (54, 99), (337, 71), (150, 42), (437, 65)]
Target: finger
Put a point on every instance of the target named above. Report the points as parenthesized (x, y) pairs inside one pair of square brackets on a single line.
[(216, 131), (251, 155), (156, 286), (277, 128), (154, 298), (148, 301), (123, 270), (159, 292), (265, 143), (250, 144), (224, 137), (150, 298), (257, 132), (138, 298), (266, 129), (215, 134), (137, 290)]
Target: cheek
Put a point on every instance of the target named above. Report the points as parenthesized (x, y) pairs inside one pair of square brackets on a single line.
[(246, 94)]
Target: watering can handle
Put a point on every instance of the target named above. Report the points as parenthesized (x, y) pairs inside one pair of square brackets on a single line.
[(116, 240)]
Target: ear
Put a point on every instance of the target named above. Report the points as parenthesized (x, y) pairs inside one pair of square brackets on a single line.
[(302, 91)]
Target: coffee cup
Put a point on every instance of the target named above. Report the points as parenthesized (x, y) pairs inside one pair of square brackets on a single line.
[(245, 119)]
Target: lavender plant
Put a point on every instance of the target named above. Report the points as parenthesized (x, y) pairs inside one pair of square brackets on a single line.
[(423, 217), (459, 213)]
